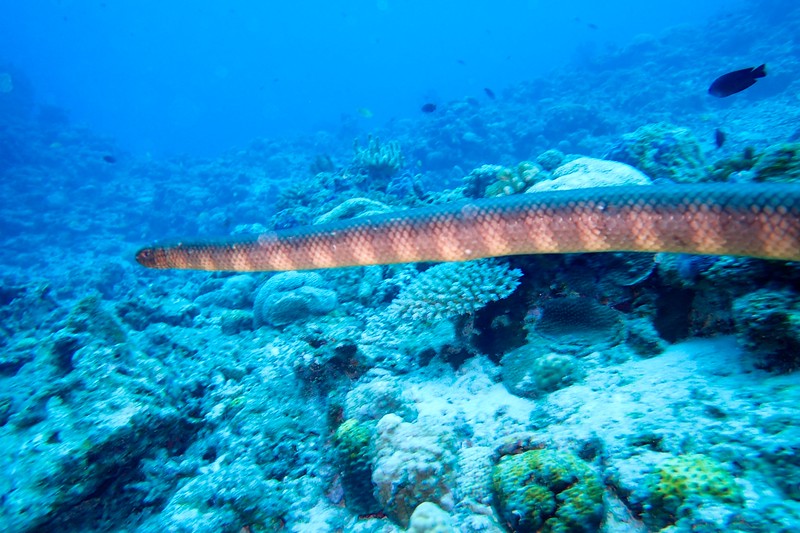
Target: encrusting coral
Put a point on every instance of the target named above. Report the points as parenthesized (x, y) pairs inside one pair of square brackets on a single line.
[(353, 449), (548, 491), (684, 479), (662, 150)]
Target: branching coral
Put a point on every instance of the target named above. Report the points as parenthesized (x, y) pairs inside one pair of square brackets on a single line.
[(496, 180), (451, 289), (378, 162)]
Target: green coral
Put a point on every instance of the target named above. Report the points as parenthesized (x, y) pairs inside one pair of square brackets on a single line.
[(662, 150), (512, 181), (353, 441), (779, 163), (685, 478), (548, 491), (722, 169)]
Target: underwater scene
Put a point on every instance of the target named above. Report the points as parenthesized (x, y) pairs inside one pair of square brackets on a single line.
[(383, 266)]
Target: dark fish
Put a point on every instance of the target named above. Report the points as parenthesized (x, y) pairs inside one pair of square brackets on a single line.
[(460, 62), (428, 108), (719, 137), (489, 92), (736, 81), (109, 159)]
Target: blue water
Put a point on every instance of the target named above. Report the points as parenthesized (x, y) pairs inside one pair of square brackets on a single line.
[(576, 392), (203, 77)]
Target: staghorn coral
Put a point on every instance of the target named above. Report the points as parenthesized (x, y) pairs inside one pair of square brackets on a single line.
[(452, 289), (548, 491), (377, 162), (687, 478), (512, 181)]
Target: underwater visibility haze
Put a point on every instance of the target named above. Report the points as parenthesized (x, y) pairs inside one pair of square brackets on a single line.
[(384, 266)]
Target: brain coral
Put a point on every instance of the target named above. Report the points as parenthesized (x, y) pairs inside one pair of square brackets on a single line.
[(451, 289), (548, 491)]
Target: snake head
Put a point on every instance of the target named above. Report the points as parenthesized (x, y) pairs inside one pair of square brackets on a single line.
[(152, 258)]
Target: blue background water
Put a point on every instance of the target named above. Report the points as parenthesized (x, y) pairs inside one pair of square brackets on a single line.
[(200, 77)]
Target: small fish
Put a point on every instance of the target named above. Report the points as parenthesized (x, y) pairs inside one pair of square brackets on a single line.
[(719, 137), (365, 112), (489, 92), (428, 108), (736, 81), (109, 159)]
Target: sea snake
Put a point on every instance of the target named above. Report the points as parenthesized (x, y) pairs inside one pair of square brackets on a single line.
[(756, 220)]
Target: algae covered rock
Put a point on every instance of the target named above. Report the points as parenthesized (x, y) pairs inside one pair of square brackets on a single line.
[(779, 163), (548, 490), (292, 297), (768, 324), (430, 518), (662, 150), (414, 464), (354, 457), (531, 372), (687, 479), (590, 172)]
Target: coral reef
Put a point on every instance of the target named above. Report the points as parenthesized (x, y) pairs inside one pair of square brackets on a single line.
[(662, 150), (548, 490), (292, 296)]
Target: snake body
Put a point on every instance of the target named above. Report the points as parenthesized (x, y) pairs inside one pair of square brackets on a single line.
[(756, 220)]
